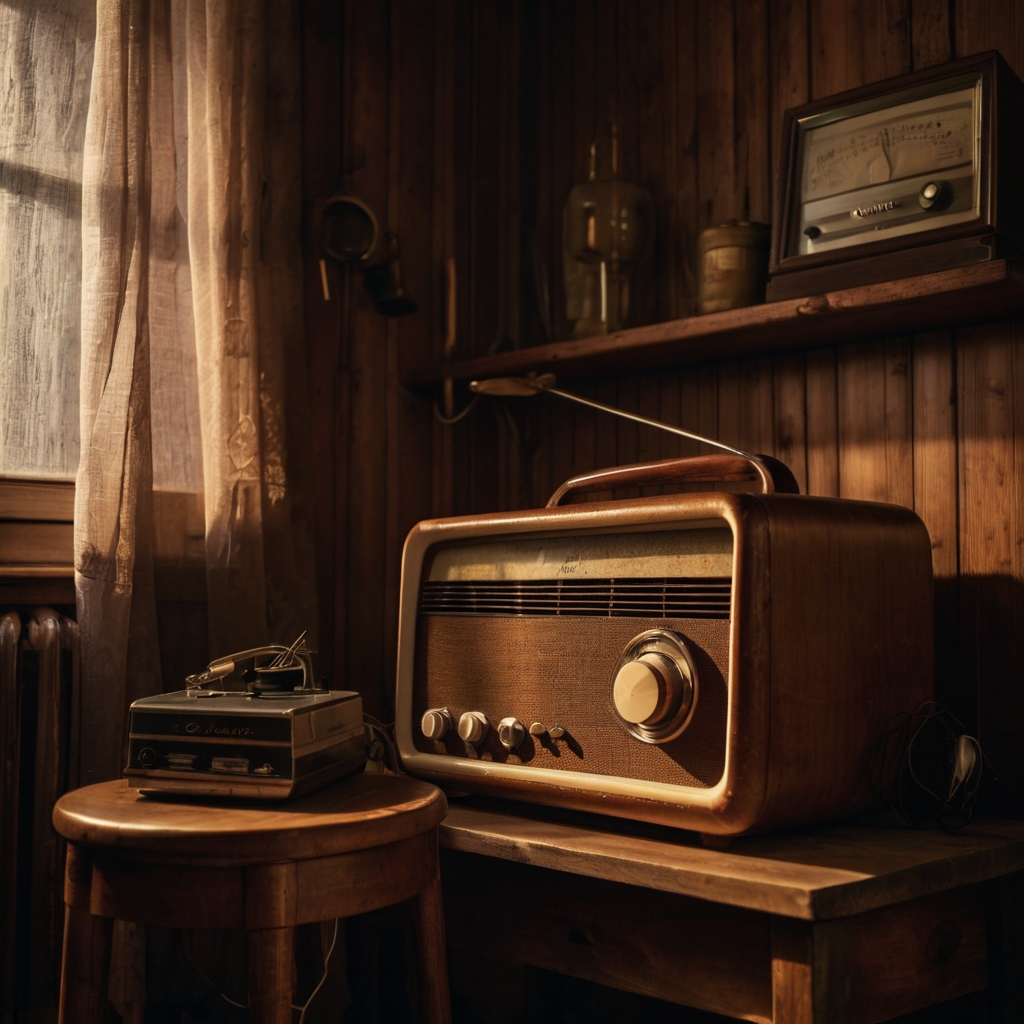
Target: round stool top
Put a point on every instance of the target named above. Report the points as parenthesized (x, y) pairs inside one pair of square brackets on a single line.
[(355, 814)]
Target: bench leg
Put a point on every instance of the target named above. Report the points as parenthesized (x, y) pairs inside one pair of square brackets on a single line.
[(810, 972), (435, 1002), (271, 963)]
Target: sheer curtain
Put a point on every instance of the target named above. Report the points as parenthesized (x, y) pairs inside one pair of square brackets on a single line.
[(192, 347)]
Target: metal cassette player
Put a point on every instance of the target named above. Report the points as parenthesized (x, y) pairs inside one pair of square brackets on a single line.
[(268, 742)]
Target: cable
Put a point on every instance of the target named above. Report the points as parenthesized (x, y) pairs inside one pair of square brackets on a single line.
[(227, 999), (245, 1006), (383, 734), (327, 959), (448, 420), (926, 769)]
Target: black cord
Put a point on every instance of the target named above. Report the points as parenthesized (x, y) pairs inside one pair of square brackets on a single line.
[(926, 769)]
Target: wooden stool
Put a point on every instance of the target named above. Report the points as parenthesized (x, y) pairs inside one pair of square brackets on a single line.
[(357, 845)]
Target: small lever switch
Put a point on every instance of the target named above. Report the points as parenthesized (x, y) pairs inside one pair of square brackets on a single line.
[(436, 723), (473, 726), (511, 733)]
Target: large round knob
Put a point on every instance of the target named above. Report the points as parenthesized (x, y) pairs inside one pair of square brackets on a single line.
[(654, 686), (644, 688), (511, 733), (473, 726), (436, 723)]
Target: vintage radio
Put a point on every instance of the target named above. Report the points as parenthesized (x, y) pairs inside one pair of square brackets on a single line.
[(716, 661), (903, 177), (279, 737)]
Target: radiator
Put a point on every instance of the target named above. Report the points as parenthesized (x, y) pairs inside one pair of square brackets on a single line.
[(39, 660)]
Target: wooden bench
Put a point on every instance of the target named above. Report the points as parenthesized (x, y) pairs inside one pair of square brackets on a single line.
[(847, 924)]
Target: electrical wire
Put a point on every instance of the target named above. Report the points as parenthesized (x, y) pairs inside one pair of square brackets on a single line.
[(913, 753), (327, 959), (384, 735), (245, 1006), (448, 420), (227, 999)]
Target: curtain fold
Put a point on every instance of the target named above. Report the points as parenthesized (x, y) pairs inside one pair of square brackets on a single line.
[(227, 211), (113, 507)]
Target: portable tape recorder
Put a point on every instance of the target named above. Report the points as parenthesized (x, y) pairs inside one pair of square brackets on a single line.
[(279, 737), (716, 661)]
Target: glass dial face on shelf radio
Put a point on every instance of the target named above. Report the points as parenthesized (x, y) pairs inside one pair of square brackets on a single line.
[(903, 164)]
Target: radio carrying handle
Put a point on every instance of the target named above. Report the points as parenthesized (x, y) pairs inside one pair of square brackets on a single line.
[(728, 464), (775, 476)]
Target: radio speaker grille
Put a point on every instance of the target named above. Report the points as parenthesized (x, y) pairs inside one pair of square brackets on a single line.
[(665, 597)]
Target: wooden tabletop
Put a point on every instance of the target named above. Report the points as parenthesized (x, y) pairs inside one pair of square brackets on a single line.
[(357, 813), (814, 874)]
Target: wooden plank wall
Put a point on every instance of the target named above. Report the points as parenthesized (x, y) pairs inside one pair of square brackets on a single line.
[(466, 123)]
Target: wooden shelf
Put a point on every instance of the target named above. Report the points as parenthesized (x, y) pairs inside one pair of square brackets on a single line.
[(951, 298)]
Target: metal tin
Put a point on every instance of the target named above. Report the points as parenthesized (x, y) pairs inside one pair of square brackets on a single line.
[(732, 266)]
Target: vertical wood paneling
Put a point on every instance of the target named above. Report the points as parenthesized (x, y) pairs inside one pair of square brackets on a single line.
[(930, 39), (752, 145), (443, 231), (410, 338), (368, 110), (322, 41), (466, 124), (683, 244), (935, 492), (716, 160), (875, 422), (790, 407), (822, 424), (987, 522)]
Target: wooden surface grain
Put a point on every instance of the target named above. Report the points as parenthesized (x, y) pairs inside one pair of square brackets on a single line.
[(357, 813), (946, 298), (816, 874), (669, 946)]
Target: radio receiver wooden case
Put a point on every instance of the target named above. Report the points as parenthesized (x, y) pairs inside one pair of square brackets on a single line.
[(903, 177), (721, 662)]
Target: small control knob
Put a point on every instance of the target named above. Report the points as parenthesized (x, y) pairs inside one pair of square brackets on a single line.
[(511, 733), (932, 194), (147, 757), (436, 723), (538, 729), (473, 726), (556, 732)]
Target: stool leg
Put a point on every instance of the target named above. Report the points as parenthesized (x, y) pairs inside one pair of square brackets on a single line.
[(271, 961), (435, 1002), (84, 967)]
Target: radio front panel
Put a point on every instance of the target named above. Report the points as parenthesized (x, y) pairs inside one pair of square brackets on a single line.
[(497, 620), (510, 666)]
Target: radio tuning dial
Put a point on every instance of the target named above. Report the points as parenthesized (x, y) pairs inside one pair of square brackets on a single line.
[(644, 688), (474, 726), (436, 723), (511, 733), (654, 686)]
